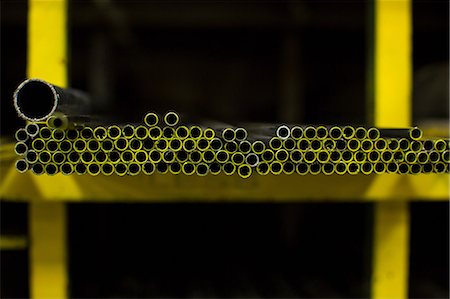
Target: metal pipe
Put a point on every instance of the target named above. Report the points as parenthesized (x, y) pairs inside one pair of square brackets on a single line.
[(433, 156), (171, 118), (289, 144), (281, 155), (439, 167), (373, 133), (93, 169), (380, 144), (189, 144), (141, 156), (336, 132), (316, 145), (341, 144), (252, 160), (241, 134), (352, 168), (195, 132), (20, 148), (148, 144), (315, 168), (36, 100), (399, 156), (21, 135), (440, 145), (93, 145), (367, 145), (353, 144), (276, 167), (58, 134), (209, 156), (66, 168), (58, 121), (422, 157), (126, 156), (283, 132), (238, 158), (135, 144), (182, 132), (120, 144), (45, 133), (393, 144), (114, 157), (100, 157), (379, 167), (229, 168), (107, 145), (347, 156), (203, 144), (348, 132), (114, 132), (303, 144), (445, 156), (195, 157), (374, 156), (268, 155), (209, 133), (309, 156), (295, 155), (58, 158), (258, 147), (65, 146), (37, 169), (245, 147), (51, 169), (411, 157), (296, 132), (22, 165), (428, 145), (340, 168), (415, 168), (360, 133), (335, 156), (73, 157), (275, 143), (263, 168), (134, 168), (329, 144), (80, 168), (323, 156), (182, 156), (51, 145), (188, 168), (175, 168), (140, 132), (127, 131), (175, 144), (288, 168), (404, 144), (415, 145), (168, 157), (392, 167), (121, 169), (328, 168), (151, 119), (427, 168), (302, 168), (231, 146), (387, 156), (201, 169), (402, 168), (107, 169), (148, 168), (222, 156), (216, 144), (309, 132), (31, 157), (415, 133), (32, 129), (168, 132), (321, 132), (214, 168), (367, 168), (87, 157)]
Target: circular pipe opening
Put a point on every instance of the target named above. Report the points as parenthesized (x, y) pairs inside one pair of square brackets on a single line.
[(35, 100)]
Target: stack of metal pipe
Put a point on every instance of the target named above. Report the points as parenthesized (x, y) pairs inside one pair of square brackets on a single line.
[(67, 142)]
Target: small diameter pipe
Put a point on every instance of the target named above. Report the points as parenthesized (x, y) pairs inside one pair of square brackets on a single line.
[(168, 157), (202, 169), (209, 156), (238, 158), (134, 169), (353, 168), (31, 157), (209, 133), (340, 168), (93, 169), (195, 132), (281, 155), (80, 168), (289, 144), (373, 133), (214, 168), (189, 144), (20, 148), (114, 132), (379, 167), (171, 118), (336, 132), (296, 132), (258, 147), (22, 165), (241, 134), (328, 168), (245, 147), (141, 156), (36, 100), (32, 129), (37, 169), (229, 168), (87, 133), (335, 156), (67, 168), (231, 146), (45, 133), (252, 160), (93, 145), (100, 157), (348, 132), (315, 168), (302, 168), (182, 132), (175, 168), (151, 119), (276, 167), (121, 169), (114, 157), (140, 132), (263, 168), (58, 158), (135, 144), (367, 168), (128, 131), (360, 133), (65, 146), (321, 132), (216, 144), (168, 132), (268, 155), (51, 145), (148, 168), (288, 168), (188, 168), (51, 169), (107, 169), (21, 135)]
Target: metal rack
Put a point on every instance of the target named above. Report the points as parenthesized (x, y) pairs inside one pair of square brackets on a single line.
[(392, 108)]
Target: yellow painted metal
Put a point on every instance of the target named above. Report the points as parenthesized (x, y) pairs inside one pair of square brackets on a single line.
[(13, 242), (48, 271), (392, 108), (392, 105), (47, 60)]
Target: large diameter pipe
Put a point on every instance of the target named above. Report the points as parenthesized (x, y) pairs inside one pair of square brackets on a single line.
[(37, 100)]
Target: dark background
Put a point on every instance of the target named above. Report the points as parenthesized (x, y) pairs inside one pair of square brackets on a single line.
[(306, 62)]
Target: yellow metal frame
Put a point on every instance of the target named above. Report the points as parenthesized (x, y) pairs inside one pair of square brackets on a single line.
[(392, 107), (47, 59)]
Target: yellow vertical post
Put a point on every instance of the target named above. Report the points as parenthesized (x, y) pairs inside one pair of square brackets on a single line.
[(392, 107), (47, 60)]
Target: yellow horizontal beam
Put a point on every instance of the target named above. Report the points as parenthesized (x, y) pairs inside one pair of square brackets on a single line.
[(13, 242), (289, 188)]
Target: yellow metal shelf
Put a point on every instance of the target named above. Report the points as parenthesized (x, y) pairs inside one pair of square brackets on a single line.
[(167, 188)]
